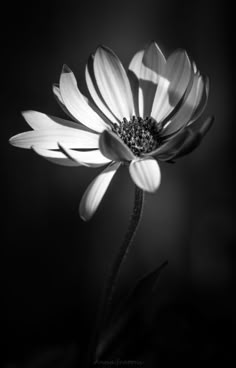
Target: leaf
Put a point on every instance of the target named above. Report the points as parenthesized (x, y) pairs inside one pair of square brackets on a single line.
[(133, 318)]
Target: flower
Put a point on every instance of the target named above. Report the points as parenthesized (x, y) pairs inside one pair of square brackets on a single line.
[(148, 114)]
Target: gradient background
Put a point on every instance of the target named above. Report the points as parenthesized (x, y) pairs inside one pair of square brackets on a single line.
[(54, 264)]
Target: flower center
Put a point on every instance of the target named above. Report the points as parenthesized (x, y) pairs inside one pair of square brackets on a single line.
[(140, 135)]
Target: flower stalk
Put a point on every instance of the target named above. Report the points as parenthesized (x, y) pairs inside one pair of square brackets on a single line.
[(113, 277)]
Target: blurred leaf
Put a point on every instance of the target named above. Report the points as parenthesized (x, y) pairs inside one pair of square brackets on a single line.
[(133, 318)]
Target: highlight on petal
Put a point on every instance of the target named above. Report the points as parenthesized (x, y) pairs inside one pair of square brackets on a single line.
[(77, 104), (153, 63), (136, 63), (149, 66), (56, 157), (92, 158), (152, 71), (57, 93), (38, 120), (133, 74), (178, 74), (146, 174), (113, 83), (114, 148), (95, 192), (48, 138), (94, 91)]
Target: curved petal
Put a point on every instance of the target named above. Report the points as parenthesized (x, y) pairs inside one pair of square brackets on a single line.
[(77, 104), (113, 83), (202, 101), (194, 137), (172, 87), (112, 147), (146, 174), (170, 148), (38, 121), (148, 65), (57, 93), (202, 126), (136, 63), (48, 138), (56, 157), (153, 68), (92, 158), (194, 67), (185, 112), (134, 75), (94, 91), (95, 192)]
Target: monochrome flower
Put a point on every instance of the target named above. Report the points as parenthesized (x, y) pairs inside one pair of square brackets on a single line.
[(148, 114)]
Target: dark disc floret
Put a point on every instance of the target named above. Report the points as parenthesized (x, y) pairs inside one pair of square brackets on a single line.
[(140, 135)]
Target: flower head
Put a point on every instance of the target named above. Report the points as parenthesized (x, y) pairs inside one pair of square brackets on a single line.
[(148, 114)]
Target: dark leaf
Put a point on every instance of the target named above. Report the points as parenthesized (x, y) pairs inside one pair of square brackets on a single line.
[(133, 318)]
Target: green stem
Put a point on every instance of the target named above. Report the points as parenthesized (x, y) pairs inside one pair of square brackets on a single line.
[(115, 271)]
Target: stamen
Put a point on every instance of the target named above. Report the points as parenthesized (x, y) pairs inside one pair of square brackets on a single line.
[(140, 135)]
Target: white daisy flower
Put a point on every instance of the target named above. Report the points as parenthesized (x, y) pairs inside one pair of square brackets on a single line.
[(137, 117)]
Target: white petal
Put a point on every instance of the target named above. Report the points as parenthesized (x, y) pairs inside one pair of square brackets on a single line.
[(203, 93), (149, 67), (95, 192), (57, 157), (91, 84), (136, 63), (141, 105), (77, 104), (146, 174), (38, 120), (148, 64), (152, 71), (183, 115), (113, 83), (173, 86), (153, 63), (87, 158), (161, 104), (49, 138), (57, 93), (194, 67), (134, 74)]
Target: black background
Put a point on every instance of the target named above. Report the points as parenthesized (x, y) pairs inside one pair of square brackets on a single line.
[(54, 264)]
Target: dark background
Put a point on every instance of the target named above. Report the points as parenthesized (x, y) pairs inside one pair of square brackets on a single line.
[(54, 264)]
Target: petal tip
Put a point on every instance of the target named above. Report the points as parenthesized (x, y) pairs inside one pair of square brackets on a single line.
[(65, 69), (55, 86), (24, 113), (10, 141), (146, 174), (100, 48), (83, 217)]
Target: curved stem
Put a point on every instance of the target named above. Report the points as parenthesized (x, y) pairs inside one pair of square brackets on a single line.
[(124, 249), (115, 270)]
